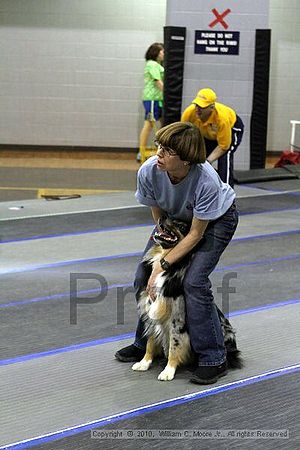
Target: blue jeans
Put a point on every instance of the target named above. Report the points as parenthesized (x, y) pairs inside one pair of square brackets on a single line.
[(202, 318)]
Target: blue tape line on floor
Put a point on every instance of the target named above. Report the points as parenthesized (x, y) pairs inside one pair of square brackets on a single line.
[(127, 227), (19, 359), (130, 414), (114, 286), (78, 233), (129, 255)]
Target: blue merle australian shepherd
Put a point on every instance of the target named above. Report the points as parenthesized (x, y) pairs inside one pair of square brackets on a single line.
[(165, 318)]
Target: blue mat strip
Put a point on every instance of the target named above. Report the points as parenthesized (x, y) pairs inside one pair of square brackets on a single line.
[(64, 433), (121, 337)]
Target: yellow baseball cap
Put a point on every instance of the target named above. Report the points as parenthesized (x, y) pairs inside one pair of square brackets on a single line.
[(205, 97)]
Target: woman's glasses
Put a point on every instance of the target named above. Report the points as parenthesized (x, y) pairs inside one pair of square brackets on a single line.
[(165, 151)]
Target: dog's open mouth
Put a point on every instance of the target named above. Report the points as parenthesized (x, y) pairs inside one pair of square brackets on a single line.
[(165, 236), (170, 232)]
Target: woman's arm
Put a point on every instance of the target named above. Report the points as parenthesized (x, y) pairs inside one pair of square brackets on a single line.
[(194, 236), (159, 84), (216, 154), (156, 213)]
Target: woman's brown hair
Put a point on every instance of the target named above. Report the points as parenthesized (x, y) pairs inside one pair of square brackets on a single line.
[(185, 140)]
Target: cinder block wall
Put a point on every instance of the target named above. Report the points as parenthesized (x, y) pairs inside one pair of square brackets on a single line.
[(231, 76), (284, 100), (71, 71)]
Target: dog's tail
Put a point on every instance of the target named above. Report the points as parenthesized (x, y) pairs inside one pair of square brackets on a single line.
[(234, 359)]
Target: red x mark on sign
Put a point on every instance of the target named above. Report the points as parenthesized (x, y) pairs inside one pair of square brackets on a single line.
[(219, 18)]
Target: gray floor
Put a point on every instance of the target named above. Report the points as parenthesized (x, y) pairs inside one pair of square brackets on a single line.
[(59, 380), (219, 413), (35, 178)]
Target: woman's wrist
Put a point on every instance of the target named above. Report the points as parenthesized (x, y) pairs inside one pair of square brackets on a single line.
[(157, 267), (165, 265)]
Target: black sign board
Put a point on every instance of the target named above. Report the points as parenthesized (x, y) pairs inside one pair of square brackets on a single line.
[(217, 42)]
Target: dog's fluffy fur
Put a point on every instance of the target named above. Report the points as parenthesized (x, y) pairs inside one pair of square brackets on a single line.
[(165, 318)]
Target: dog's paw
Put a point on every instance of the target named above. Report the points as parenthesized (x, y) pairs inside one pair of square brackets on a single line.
[(167, 374), (142, 366)]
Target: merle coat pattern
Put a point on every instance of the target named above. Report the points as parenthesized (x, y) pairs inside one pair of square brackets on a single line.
[(165, 318)]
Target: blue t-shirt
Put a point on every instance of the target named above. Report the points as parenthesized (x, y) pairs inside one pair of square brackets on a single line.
[(200, 194)]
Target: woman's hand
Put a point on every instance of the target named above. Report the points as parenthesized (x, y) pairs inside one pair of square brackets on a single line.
[(151, 287)]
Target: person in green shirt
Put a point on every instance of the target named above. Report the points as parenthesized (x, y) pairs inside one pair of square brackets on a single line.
[(153, 92)]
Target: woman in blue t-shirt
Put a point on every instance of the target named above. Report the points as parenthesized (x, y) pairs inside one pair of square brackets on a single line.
[(180, 183)]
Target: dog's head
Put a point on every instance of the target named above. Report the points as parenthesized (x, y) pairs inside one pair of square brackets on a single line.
[(170, 232)]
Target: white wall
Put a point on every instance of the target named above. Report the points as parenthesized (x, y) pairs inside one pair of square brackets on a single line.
[(71, 71), (231, 76), (284, 100)]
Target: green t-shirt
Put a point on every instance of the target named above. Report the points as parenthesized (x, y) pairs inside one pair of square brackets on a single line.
[(153, 72)]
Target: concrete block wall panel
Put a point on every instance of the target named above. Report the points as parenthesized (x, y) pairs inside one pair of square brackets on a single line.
[(231, 76), (72, 70), (284, 100)]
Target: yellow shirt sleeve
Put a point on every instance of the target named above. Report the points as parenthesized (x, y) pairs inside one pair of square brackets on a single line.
[(187, 114), (217, 127), (225, 117), (224, 135)]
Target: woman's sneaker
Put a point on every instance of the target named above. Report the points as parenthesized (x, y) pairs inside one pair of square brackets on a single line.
[(130, 354), (209, 374)]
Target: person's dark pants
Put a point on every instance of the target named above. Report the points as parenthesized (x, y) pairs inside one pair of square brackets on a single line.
[(202, 317), (225, 163)]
